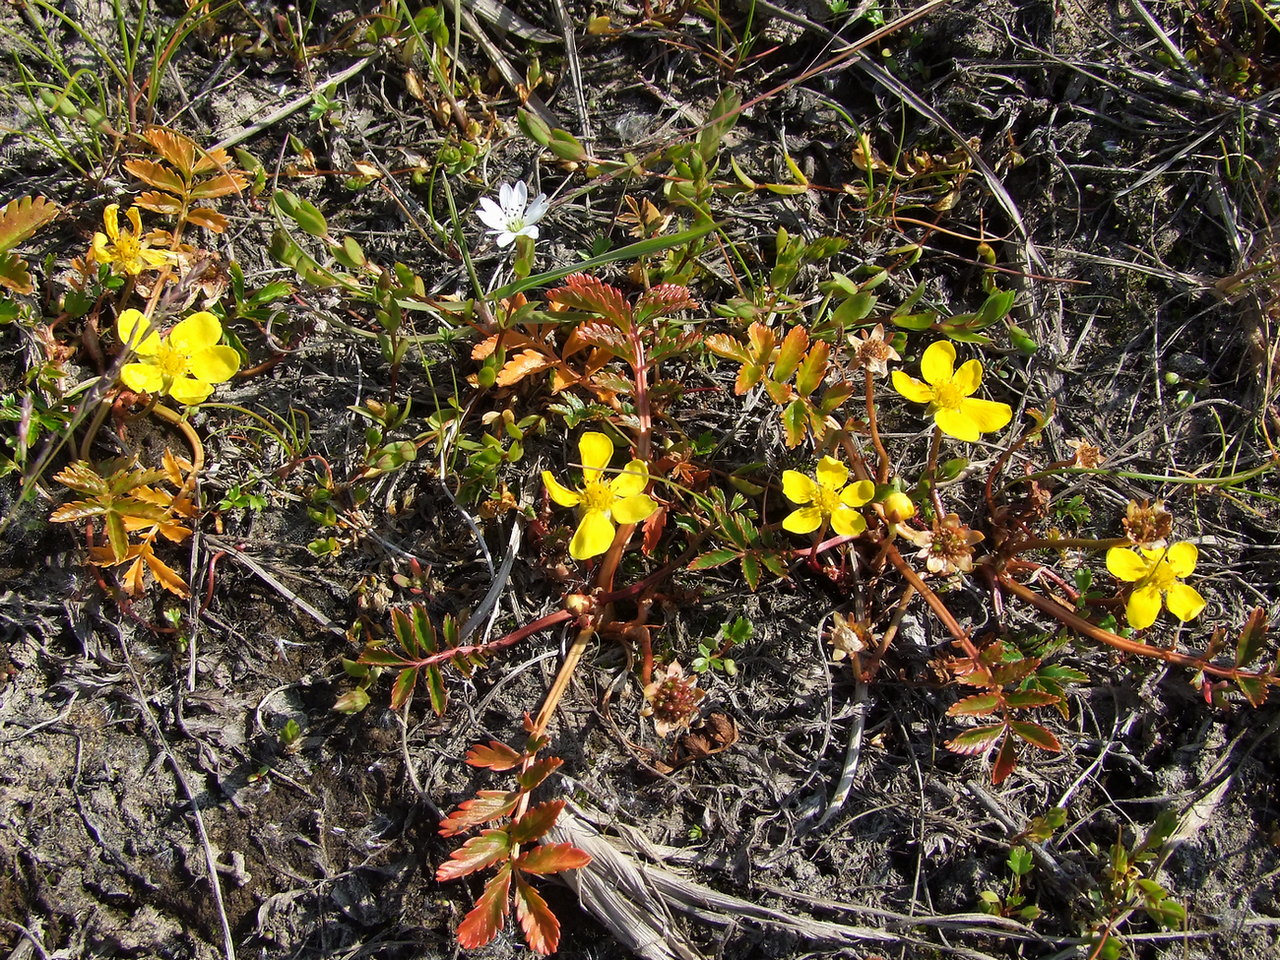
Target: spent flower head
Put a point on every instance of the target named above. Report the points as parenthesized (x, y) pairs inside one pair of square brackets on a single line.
[(1157, 576), (513, 215), (672, 699), (826, 499), (949, 394), (185, 364), (602, 502), (947, 548), (872, 351), (127, 250), (1148, 524)]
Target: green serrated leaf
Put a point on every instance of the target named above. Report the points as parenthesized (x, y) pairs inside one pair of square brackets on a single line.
[(713, 558), (751, 571)]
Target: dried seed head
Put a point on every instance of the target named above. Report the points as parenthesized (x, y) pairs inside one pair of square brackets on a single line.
[(1148, 525), (950, 548), (848, 636), (672, 700), (1084, 454), (873, 352)]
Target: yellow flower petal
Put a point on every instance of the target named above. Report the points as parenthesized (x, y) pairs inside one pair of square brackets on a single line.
[(1126, 565), (1184, 602), (1182, 558), (987, 415), (632, 480), (197, 332), (593, 536), (134, 330), (954, 423), (804, 520), (559, 493), (100, 253), (911, 388), (596, 451), (831, 473), (856, 494), (634, 509), (847, 522), (797, 487), (187, 390), (1143, 607), (969, 377), (214, 364), (142, 377), (938, 362), (111, 220), (135, 218)]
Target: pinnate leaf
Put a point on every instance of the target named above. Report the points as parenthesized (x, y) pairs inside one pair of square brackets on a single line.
[(494, 756), (979, 705), (403, 688), (486, 805), (156, 175), (975, 740), (713, 558), (489, 914), (1022, 699), (536, 822), (1252, 638), (793, 349), (541, 928), (663, 300), (589, 294), (23, 217), (552, 858), (1036, 735), (538, 771), (476, 854)]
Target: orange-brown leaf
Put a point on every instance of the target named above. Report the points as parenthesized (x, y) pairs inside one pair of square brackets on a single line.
[(211, 160), (494, 756), (135, 578), (15, 273), (174, 147), (232, 181), (165, 575), (522, 365), (589, 294), (485, 806), (23, 217), (159, 203), (536, 822), (540, 926), (207, 218), (484, 348), (156, 175), (489, 915), (1006, 760)]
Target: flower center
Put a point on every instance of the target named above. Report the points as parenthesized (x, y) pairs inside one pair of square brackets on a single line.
[(827, 500), (1161, 575), (597, 496), (172, 363), (128, 247), (947, 396)]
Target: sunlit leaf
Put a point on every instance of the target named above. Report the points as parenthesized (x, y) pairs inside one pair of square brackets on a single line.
[(476, 854), (494, 756), (978, 705), (488, 916), (1036, 735), (540, 926), (552, 858), (975, 740), (536, 822)]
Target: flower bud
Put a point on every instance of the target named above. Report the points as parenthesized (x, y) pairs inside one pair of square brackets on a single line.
[(898, 507), (579, 604)]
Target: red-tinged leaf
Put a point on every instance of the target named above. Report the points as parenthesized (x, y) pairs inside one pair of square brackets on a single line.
[(795, 421), (779, 392), (403, 688), (813, 369), (1255, 689), (494, 756), (651, 529), (1036, 735), (979, 705), (540, 926), (1252, 637), (715, 558), (424, 631), (723, 345), (975, 740), (793, 349), (587, 293), (523, 364), (135, 579), (156, 175), (1013, 672), (763, 341), (663, 300), (538, 771), (436, 691), (1022, 699), (77, 510), (488, 916), (379, 658), (487, 805), (476, 854), (179, 150), (208, 218), (402, 627), (158, 203), (484, 348), (536, 822), (602, 335), (552, 858), (1006, 760)]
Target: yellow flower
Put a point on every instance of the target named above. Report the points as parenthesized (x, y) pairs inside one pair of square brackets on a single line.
[(128, 251), (1156, 574), (603, 503), (949, 393), (184, 365), (828, 499)]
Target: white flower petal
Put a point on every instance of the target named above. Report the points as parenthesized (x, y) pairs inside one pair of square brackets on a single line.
[(491, 215), (506, 238), (537, 209)]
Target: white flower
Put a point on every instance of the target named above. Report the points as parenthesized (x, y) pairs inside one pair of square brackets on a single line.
[(513, 215)]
